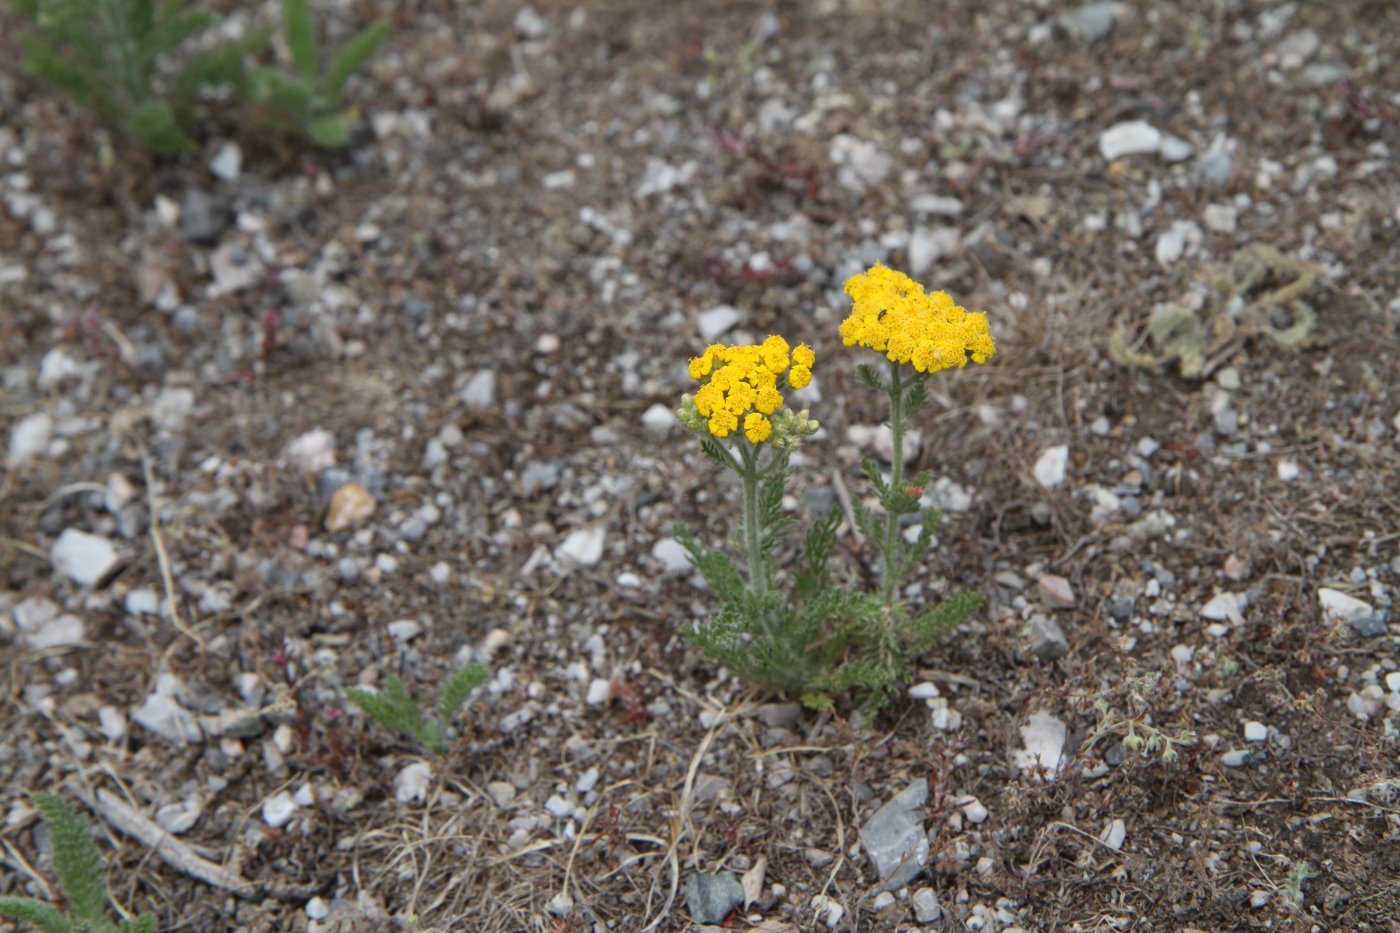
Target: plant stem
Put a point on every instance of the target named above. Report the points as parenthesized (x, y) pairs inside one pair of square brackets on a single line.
[(753, 531), (888, 584)]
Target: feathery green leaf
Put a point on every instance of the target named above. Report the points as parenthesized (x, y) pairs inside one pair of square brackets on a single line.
[(75, 859), (351, 57)]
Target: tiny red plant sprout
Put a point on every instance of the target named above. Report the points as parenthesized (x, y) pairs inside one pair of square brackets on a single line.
[(268, 325), (634, 711), (913, 492)]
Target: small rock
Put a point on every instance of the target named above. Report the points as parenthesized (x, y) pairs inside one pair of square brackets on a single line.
[(1226, 607), (927, 246), (311, 452), (1361, 616), (503, 792), (924, 691), (63, 631), (659, 419), (583, 547), (1045, 638), (1056, 591), (717, 321), (779, 715), (29, 438), (829, 909), (1258, 898), (672, 556), (112, 722), (411, 783), (167, 719), (350, 505), (1368, 702), (972, 809), (1217, 163), (279, 809), (599, 692), (1236, 568), (926, 907), (202, 216), (480, 391), (1044, 739), (1220, 218), (1091, 22), (1235, 758), (1132, 137), (227, 163), (883, 902), (317, 909), (894, 837), (1052, 466), (1255, 731), (86, 559), (538, 476), (403, 630), (1114, 834), (1175, 149), (711, 897)]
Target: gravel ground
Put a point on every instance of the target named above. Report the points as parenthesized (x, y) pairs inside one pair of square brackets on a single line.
[(278, 423)]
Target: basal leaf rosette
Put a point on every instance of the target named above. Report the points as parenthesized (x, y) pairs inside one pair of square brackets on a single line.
[(892, 315), (740, 392)]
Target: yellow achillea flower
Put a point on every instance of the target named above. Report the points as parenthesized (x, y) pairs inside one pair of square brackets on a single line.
[(893, 316), (739, 385)]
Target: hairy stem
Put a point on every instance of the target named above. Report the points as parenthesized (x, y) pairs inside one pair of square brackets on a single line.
[(753, 530), (888, 583)]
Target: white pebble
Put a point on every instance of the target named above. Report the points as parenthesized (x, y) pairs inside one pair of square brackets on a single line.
[(583, 546), (28, 439), (84, 558), (717, 321), (1052, 466), (1131, 137), (1113, 834), (279, 809), (411, 783), (317, 909), (599, 692), (972, 808), (672, 555), (1289, 470), (1255, 731), (659, 419)]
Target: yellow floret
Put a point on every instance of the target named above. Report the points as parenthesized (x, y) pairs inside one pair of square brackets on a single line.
[(775, 354), (803, 356), (892, 315), (723, 423), (757, 428), (799, 377)]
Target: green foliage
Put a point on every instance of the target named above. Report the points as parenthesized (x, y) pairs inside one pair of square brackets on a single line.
[(394, 708), (80, 877), (308, 102), (811, 636), (107, 54)]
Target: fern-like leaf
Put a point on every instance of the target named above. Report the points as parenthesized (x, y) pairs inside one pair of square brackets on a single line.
[(866, 376), (329, 131), (392, 708), (916, 552), (300, 32), (75, 859), (43, 916), (455, 689), (934, 625), (917, 396), (813, 575), (351, 58)]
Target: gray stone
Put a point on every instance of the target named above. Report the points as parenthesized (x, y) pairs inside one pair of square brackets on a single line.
[(167, 719), (927, 246), (711, 897), (926, 906), (29, 438), (1363, 618), (659, 419), (538, 477), (1090, 22), (779, 715), (1131, 137), (480, 390), (583, 547), (717, 321), (84, 558), (894, 837), (202, 216), (1045, 639), (672, 556)]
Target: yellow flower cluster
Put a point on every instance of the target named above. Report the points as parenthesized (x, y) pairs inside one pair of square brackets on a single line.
[(893, 316), (739, 384)]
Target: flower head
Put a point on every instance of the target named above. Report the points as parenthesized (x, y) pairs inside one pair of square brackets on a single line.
[(739, 387), (892, 315)]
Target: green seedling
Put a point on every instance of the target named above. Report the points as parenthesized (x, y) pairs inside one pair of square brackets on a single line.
[(308, 101), (80, 877), (394, 708), (106, 55)]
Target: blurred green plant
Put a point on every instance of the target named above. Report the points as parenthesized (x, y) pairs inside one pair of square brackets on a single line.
[(394, 708), (307, 102), (80, 877), (107, 55)]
